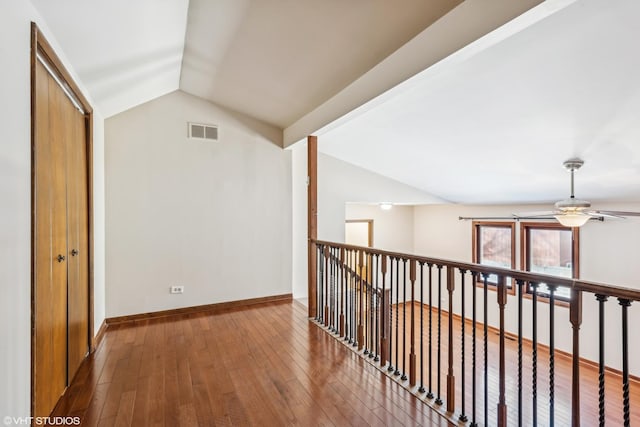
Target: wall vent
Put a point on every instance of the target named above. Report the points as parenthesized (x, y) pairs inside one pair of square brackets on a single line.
[(204, 132)]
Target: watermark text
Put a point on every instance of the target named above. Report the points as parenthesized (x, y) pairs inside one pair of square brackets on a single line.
[(41, 421)]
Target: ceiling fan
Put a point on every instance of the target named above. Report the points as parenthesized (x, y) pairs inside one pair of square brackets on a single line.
[(574, 212)]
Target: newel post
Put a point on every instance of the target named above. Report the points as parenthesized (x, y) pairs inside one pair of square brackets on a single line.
[(451, 379), (575, 316), (312, 221), (412, 352), (502, 405)]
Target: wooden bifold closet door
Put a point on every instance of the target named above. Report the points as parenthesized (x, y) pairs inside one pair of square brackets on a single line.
[(61, 241)]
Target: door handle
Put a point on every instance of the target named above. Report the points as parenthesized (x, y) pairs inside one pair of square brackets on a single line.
[(74, 252), (60, 258)]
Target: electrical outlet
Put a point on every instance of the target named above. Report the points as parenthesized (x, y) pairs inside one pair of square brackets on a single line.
[(176, 289)]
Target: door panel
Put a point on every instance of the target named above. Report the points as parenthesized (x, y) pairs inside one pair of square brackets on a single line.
[(57, 131), (43, 273), (78, 247), (50, 238)]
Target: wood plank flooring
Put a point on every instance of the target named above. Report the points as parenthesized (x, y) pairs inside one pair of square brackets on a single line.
[(562, 377), (265, 366)]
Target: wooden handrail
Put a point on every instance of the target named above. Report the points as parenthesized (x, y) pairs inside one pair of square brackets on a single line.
[(574, 284)]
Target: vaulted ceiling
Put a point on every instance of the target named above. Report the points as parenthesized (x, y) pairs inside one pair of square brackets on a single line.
[(274, 60), (456, 98)]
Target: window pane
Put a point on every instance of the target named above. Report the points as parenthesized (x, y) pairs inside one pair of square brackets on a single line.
[(494, 248), (551, 253)]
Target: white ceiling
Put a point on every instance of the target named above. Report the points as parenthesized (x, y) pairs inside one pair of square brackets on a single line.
[(126, 52), (495, 126), (491, 123), (276, 60)]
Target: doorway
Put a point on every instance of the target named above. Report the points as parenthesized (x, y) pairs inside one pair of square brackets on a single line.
[(359, 232)]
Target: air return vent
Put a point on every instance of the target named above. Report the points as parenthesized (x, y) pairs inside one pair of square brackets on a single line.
[(204, 132)]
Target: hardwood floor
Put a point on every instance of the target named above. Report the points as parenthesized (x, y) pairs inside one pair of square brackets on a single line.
[(266, 366), (562, 377)]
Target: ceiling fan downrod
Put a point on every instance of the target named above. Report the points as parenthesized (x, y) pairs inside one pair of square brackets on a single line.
[(573, 165)]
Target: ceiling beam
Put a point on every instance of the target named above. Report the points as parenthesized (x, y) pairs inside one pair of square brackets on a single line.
[(470, 21)]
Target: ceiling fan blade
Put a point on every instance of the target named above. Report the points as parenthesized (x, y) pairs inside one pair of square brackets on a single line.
[(619, 214), (534, 214), (603, 214)]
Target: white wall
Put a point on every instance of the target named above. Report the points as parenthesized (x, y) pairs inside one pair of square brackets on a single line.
[(299, 224), (98, 222), (15, 208), (214, 217), (340, 183), (392, 229)]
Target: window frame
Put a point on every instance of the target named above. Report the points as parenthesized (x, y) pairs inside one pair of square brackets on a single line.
[(475, 251), (525, 227)]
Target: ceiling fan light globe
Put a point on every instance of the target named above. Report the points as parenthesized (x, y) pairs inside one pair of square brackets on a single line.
[(576, 219)]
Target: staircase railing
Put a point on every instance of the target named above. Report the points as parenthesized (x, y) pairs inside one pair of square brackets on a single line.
[(431, 324)]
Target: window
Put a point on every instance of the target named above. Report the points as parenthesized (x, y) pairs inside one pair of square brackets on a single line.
[(494, 245), (550, 249)]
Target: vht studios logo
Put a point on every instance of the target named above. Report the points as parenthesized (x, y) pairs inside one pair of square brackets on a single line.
[(40, 421)]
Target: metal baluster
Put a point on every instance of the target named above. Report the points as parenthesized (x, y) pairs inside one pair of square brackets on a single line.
[(332, 302), (360, 334), (502, 375), (601, 365), (370, 289), (384, 325), (341, 292), (404, 319), (397, 260), (421, 388), (391, 368), (336, 289), (367, 312), (354, 300), (430, 392), (326, 287), (372, 338), (318, 281), (321, 283), (473, 351), (463, 416), (438, 398), (534, 353), (625, 303), (552, 353), (376, 315), (347, 335), (345, 294), (356, 280), (485, 277), (519, 284), (334, 285), (575, 317)]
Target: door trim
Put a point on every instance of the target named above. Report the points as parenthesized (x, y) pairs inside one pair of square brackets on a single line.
[(41, 47)]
